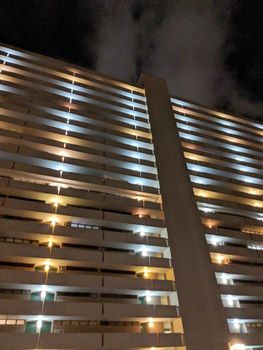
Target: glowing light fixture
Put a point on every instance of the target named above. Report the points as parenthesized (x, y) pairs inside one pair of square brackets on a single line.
[(63, 154), (43, 293), (39, 323), (151, 324), (144, 253), (53, 221), (219, 259), (253, 192), (224, 279), (56, 202), (136, 168), (255, 247), (248, 180), (214, 241), (148, 297), (236, 324), (47, 266), (60, 167), (50, 244), (207, 210), (195, 168), (230, 300), (238, 347), (257, 205)]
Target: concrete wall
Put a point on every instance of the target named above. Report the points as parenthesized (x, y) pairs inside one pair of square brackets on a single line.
[(201, 308)]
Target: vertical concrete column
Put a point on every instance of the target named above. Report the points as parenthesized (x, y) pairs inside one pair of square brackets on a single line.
[(201, 308)]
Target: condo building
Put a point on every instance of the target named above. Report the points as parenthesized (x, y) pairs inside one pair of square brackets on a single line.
[(129, 218)]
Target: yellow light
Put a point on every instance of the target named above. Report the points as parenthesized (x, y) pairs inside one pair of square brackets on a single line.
[(47, 266), (145, 274), (50, 244), (151, 324), (63, 154), (53, 221), (220, 259), (56, 202)]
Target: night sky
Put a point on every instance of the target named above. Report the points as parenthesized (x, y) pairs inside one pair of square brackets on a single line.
[(210, 52)]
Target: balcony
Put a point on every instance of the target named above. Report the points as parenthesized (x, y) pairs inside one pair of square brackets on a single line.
[(249, 313), (84, 310), (80, 282), (93, 341), (38, 255), (122, 341), (135, 260), (240, 270), (250, 339), (137, 284), (25, 341)]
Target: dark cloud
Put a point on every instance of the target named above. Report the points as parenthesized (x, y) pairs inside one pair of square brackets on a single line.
[(185, 42), (116, 45), (188, 50), (209, 51)]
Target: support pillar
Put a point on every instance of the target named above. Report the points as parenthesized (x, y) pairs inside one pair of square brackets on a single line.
[(201, 307)]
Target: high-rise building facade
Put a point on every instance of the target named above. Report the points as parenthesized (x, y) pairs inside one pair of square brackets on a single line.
[(129, 219)]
